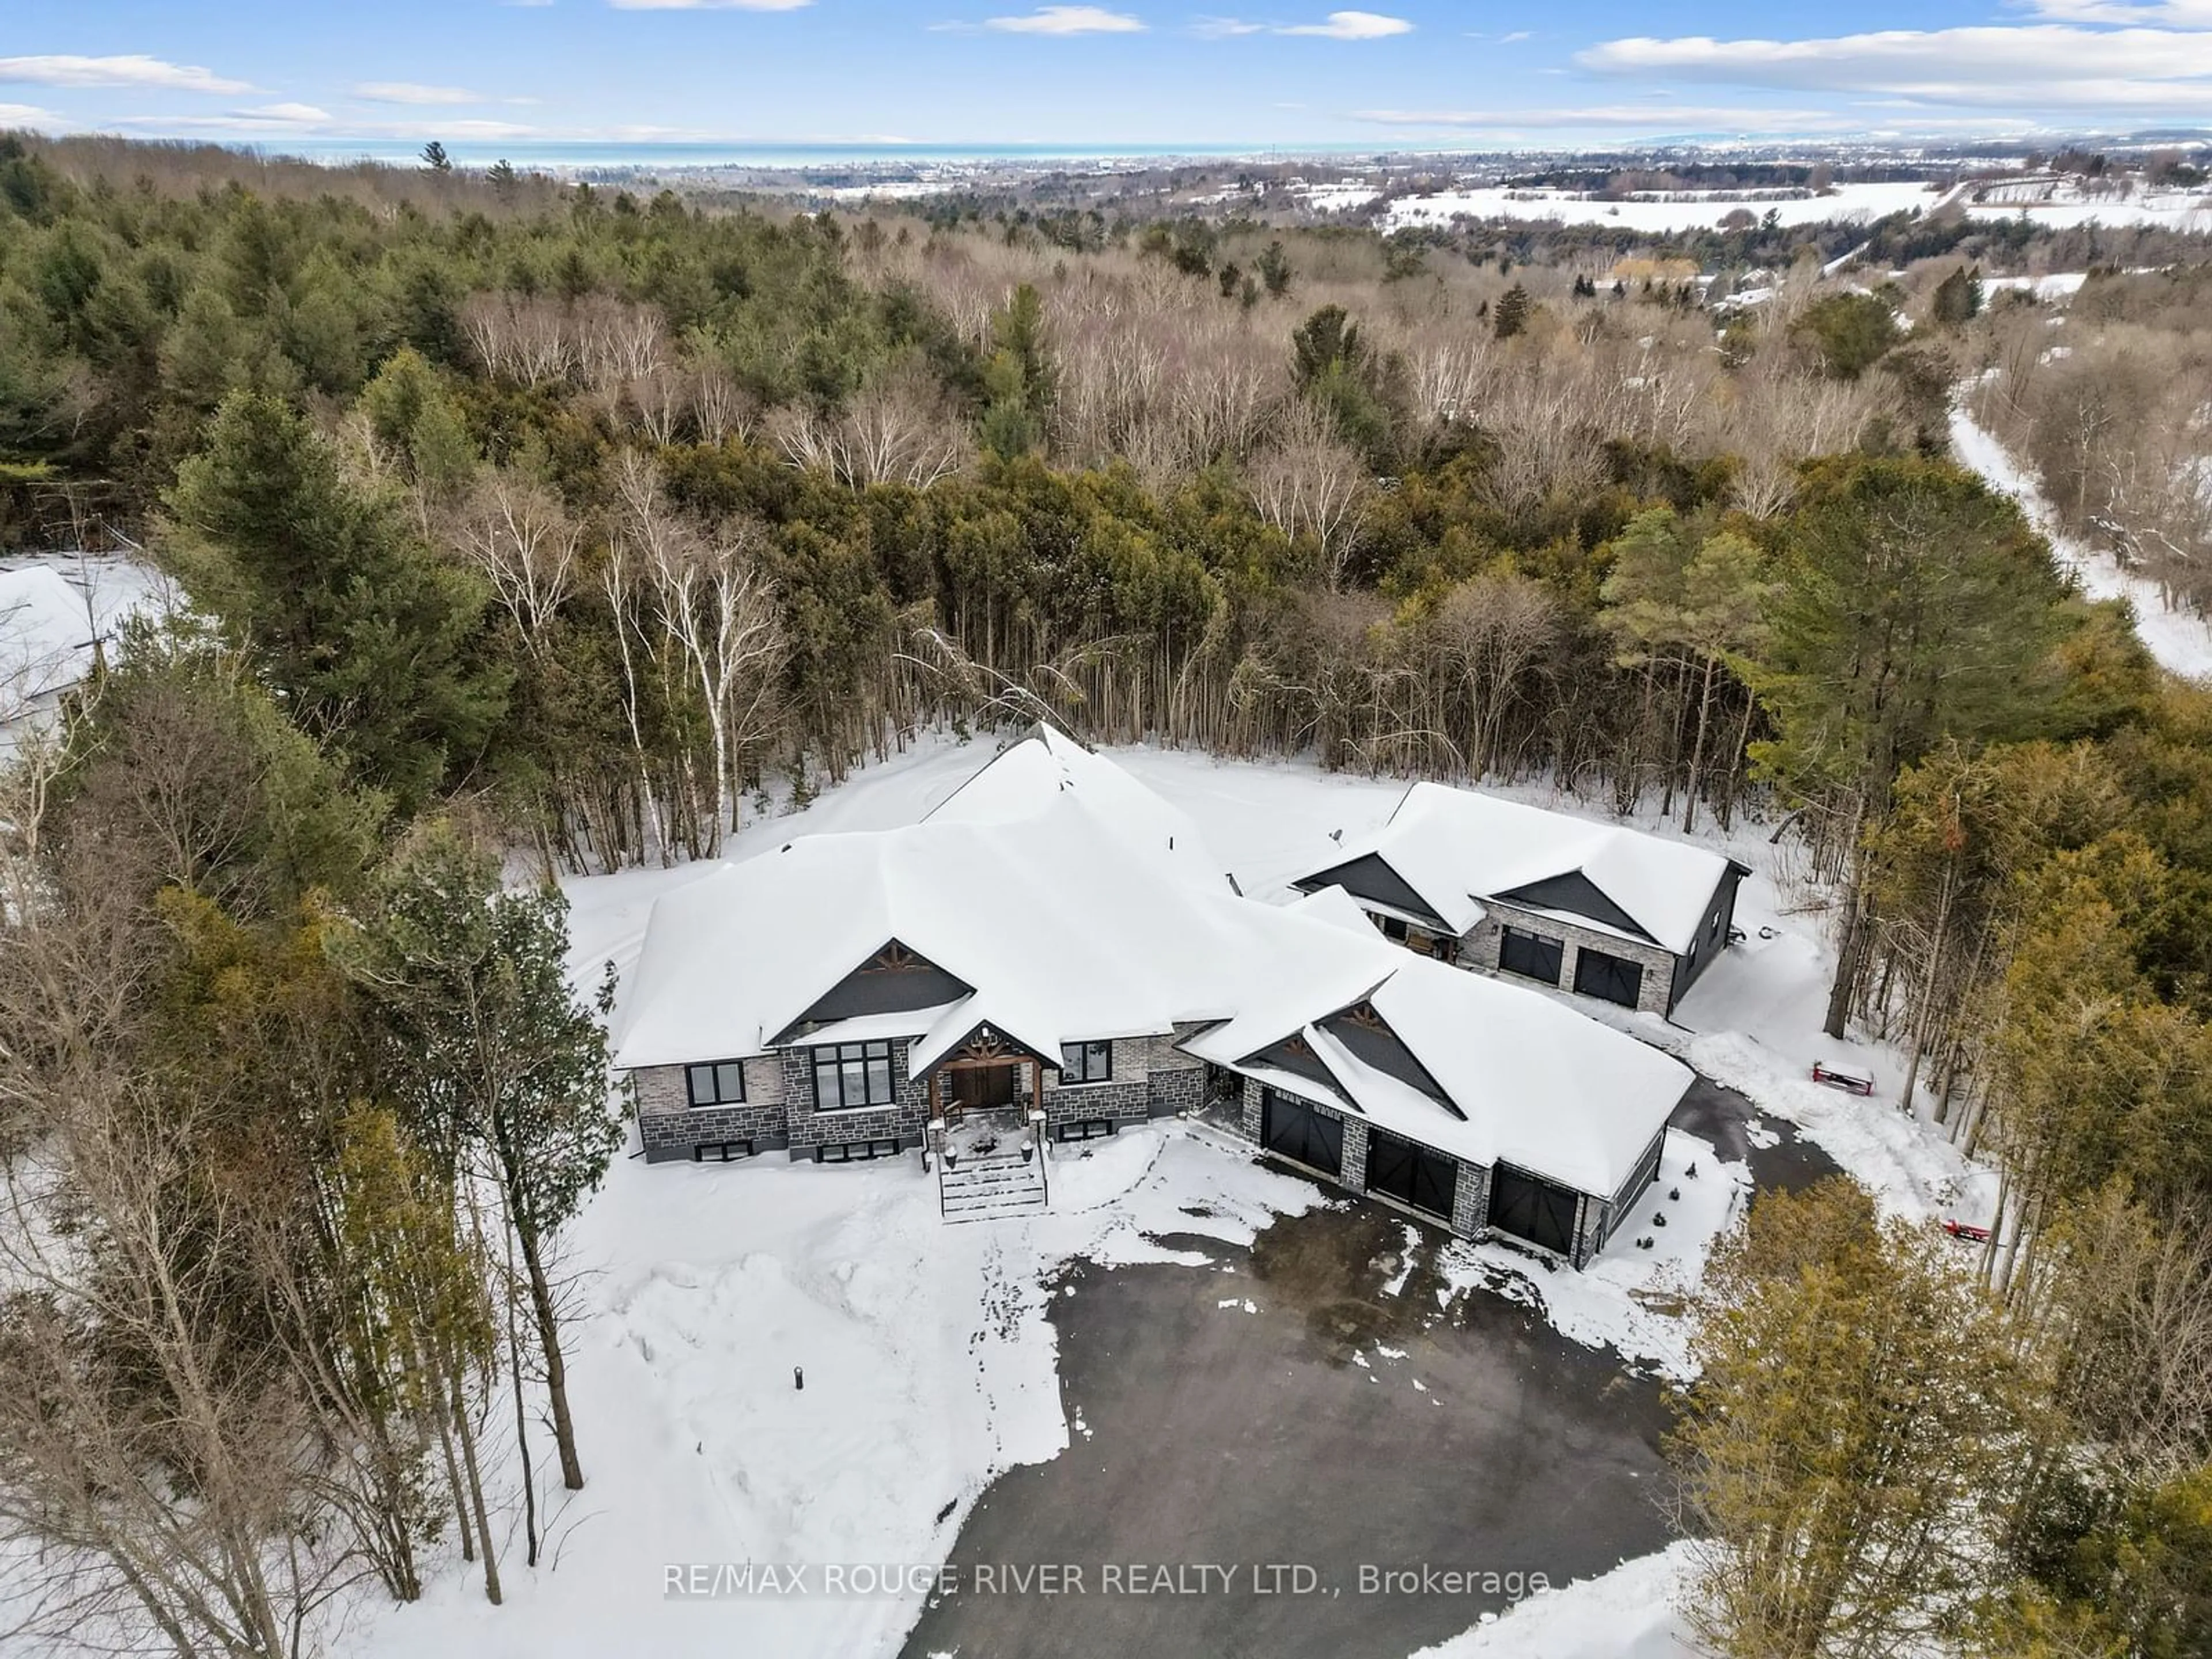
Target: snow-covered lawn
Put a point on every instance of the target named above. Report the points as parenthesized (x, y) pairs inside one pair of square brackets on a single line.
[(2180, 640), (929, 1366), (929, 1362)]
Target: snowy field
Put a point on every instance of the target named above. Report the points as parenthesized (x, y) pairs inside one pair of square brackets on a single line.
[(2181, 640), (1691, 211), (52, 607), (929, 1361), (1705, 210)]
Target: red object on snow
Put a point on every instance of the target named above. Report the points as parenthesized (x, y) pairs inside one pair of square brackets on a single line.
[(1857, 1083), (1966, 1229)]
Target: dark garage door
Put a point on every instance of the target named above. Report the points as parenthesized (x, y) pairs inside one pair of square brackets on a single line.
[(1412, 1174), (1614, 978), (1297, 1131), (1529, 955), (1532, 1209)]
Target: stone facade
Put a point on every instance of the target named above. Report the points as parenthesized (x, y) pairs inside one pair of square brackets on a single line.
[(671, 1127), (1179, 1089), (902, 1121), (1479, 950), (1470, 1216)]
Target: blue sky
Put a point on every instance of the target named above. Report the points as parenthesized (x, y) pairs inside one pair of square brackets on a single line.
[(488, 76)]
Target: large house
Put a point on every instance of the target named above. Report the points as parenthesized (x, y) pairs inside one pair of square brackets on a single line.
[(1054, 950), (1490, 884)]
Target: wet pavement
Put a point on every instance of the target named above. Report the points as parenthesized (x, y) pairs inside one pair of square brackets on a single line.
[(1239, 1480)]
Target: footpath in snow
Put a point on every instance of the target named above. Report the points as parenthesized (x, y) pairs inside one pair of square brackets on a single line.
[(2179, 639)]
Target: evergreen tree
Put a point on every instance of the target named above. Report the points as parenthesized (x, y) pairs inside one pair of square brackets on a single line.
[(1851, 1423), (371, 638), (502, 1071), (1511, 316), (435, 159)]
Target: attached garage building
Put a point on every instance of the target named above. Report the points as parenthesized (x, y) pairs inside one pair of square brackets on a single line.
[(1606, 912), (1463, 1100)]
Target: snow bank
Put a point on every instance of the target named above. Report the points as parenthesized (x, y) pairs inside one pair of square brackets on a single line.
[(1627, 1613), (2179, 639), (1659, 217)]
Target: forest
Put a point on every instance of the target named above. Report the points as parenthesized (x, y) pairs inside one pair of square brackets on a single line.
[(529, 527)]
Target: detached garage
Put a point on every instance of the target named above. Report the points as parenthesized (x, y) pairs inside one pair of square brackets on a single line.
[(1291, 1129)]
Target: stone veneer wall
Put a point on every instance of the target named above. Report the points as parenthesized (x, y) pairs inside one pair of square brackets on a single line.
[(1479, 950), (1470, 1217), (1151, 1078), (904, 1121), (671, 1126)]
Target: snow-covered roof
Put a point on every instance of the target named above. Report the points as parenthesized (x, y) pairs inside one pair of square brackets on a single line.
[(1457, 848), (1026, 778), (1053, 892), (1536, 1084)]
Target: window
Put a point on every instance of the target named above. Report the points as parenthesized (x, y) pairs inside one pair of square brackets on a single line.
[(853, 1074), (719, 1083), (1086, 1062)]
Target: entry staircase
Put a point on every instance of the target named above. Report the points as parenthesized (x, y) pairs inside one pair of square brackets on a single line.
[(999, 1183)]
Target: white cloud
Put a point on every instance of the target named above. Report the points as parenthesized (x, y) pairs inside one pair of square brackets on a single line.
[(1067, 20), (299, 113), (413, 92), (1352, 26), (1644, 117), (132, 70), (2176, 13), (2047, 65), (1339, 26), (703, 5), (25, 115)]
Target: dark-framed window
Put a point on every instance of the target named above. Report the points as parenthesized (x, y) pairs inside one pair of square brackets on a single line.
[(1086, 1062), (851, 1075), (1529, 955), (716, 1083)]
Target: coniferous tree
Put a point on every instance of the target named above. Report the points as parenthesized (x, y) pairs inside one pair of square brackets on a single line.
[(371, 637)]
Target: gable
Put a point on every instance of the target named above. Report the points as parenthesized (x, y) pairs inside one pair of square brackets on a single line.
[(1296, 1055), (1368, 877), (1362, 1029), (1576, 894), (892, 981)]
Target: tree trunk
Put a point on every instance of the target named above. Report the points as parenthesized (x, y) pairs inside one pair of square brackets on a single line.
[(1697, 750), (549, 1339)]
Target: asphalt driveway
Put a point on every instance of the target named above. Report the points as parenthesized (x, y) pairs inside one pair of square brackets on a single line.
[(1239, 1480)]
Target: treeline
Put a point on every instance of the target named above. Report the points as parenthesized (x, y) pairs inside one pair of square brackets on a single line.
[(669, 503)]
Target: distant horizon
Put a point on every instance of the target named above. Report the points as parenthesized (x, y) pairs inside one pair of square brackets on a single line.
[(1095, 80), (805, 154)]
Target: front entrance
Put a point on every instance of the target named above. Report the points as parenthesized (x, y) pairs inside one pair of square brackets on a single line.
[(1297, 1131), (982, 1088), (1613, 979), (1534, 1209)]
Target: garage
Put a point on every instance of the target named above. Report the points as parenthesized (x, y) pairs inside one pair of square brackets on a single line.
[(1531, 1208), (1529, 955), (1416, 1178), (1614, 979), (1295, 1131)]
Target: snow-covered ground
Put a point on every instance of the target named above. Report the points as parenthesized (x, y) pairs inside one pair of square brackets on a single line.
[(1630, 1613), (2180, 640), (1689, 212), (929, 1361)]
